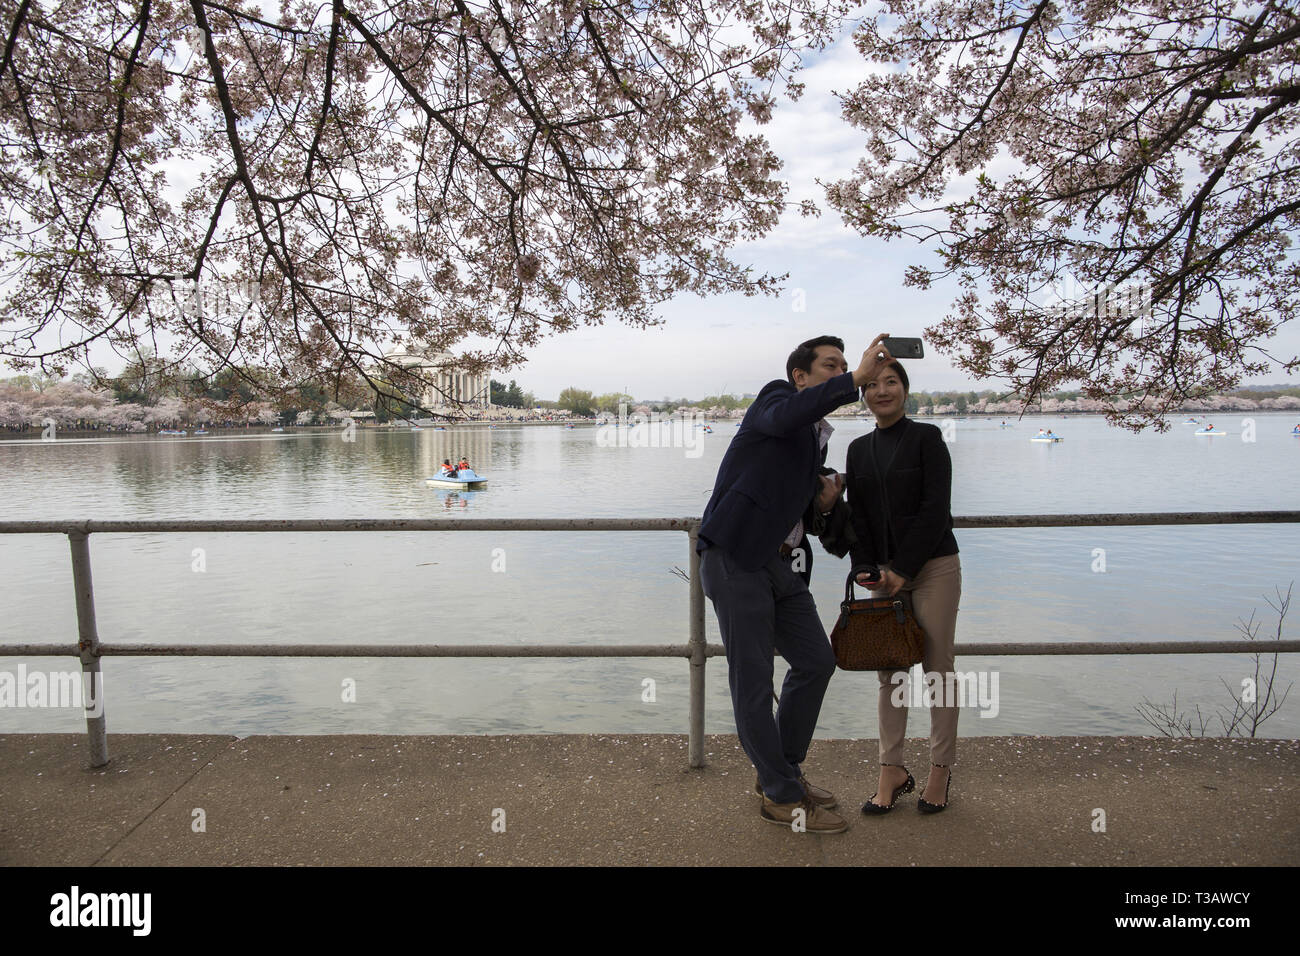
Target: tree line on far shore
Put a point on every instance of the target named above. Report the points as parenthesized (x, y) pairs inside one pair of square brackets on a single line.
[(587, 404), (134, 402)]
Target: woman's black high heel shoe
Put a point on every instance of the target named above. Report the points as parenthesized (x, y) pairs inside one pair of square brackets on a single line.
[(906, 786), (926, 807)]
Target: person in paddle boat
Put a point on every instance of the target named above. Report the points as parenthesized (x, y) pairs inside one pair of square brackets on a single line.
[(1041, 434), (1051, 434), (899, 481), (445, 470)]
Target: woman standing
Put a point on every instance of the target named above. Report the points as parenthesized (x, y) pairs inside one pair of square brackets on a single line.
[(899, 481)]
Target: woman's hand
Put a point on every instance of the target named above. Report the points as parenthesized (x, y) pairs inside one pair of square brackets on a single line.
[(890, 583)]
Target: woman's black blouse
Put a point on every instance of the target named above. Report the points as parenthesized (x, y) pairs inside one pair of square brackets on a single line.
[(917, 471)]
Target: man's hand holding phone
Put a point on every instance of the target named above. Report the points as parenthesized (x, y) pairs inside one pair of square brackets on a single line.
[(874, 359)]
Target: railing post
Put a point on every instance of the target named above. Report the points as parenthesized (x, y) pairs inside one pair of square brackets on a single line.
[(88, 646), (699, 655)]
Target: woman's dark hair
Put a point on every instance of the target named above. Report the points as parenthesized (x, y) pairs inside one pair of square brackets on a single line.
[(804, 356), (897, 366)]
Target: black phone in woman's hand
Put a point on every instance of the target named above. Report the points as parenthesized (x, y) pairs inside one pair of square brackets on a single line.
[(871, 571)]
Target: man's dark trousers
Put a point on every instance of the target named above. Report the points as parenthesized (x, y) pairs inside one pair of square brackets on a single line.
[(758, 611)]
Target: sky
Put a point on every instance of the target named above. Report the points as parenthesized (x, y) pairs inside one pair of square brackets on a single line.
[(847, 285)]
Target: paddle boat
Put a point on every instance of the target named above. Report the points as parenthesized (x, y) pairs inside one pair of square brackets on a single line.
[(1209, 432), (1191, 421), (277, 429), (1047, 440), (171, 431), (465, 479), (200, 431)]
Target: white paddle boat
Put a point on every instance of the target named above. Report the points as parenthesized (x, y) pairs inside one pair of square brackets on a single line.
[(465, 479)]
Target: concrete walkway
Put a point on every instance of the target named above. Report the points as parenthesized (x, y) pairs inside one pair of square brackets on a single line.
[(632, 799)]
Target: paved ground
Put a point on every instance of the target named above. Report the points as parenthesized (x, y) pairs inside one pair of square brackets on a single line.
[(572, 799)]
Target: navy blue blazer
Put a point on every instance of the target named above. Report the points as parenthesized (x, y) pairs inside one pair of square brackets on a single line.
[(767, 479)]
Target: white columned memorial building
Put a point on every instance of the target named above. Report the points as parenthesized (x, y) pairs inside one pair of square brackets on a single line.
[(471, 389)]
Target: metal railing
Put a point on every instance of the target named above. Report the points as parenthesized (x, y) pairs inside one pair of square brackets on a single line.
[(89, 649)]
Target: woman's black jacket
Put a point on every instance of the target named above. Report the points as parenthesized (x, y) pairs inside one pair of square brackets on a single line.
[(918, 487)]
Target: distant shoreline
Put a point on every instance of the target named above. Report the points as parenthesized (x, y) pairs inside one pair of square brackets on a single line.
[(33, 432)]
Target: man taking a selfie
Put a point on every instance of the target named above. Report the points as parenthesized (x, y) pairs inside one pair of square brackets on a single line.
[(756, 564)]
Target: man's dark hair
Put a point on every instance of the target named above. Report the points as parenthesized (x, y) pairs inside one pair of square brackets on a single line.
[(804, 356)]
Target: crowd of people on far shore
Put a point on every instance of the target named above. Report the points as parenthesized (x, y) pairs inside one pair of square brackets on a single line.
[(92, 426), (81, 425)]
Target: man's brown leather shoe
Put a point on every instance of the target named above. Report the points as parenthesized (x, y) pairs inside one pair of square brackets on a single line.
[(823, 798), (815, 819)]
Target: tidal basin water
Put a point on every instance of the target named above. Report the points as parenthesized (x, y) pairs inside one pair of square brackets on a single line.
[(1158, 583)]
